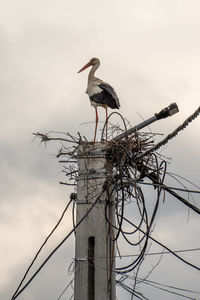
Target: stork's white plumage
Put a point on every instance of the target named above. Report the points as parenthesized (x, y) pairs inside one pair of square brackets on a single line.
[(100, 92)]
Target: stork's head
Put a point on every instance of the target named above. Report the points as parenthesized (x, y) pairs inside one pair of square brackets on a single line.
[(92, 62)]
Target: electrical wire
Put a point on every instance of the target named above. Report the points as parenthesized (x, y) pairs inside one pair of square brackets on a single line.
[(157, 178), (171, 135), (152, 283), (170, 187), (57, 247), (184, 201), (163, 287), (121, 173), (114, 113), (42, 246), (168, 291), (169, 286), (130, 290), (159, 253), (173, 175), (65, 289), (162, 245)]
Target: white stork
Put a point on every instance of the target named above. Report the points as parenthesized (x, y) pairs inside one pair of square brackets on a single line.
[(100, 92)]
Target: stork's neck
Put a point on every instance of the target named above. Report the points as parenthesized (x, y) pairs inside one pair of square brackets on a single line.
[(91, 76)]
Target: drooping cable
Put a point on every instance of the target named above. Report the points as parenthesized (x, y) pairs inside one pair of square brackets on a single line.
[(42, 246), (57, 247), (162, 245), (171, 135)]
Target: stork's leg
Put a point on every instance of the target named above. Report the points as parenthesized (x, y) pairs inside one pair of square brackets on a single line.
[(97, 119), (106, 123)]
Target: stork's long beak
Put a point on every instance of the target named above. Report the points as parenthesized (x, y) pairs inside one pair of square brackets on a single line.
[(85, 67)]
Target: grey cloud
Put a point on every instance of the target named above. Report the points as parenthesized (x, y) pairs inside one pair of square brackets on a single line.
[(149, 52)]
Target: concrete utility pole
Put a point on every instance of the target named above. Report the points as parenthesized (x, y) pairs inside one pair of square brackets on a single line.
[(95, 251), (94, 246)]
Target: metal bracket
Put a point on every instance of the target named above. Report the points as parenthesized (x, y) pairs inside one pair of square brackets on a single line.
[(95, 153), (91, 171), (91, 176), (81, 259)]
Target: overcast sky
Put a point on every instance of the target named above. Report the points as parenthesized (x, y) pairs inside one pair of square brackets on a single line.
[(150, 53)]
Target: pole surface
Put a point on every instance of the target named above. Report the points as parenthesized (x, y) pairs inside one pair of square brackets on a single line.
[(94, 248)]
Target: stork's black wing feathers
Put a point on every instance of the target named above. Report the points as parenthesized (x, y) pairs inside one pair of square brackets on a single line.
[(108, 89)]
